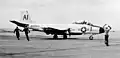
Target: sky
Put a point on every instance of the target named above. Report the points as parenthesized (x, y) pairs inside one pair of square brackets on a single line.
[(98, 12)]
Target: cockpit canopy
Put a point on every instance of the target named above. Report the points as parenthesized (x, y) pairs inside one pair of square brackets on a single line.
[(82, 22)]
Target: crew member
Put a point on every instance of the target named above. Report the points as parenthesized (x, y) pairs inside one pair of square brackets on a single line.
[(26, 30), (17, 32), (107, 29)]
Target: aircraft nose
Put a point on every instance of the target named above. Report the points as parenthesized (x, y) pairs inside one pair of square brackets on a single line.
[(101, 30)]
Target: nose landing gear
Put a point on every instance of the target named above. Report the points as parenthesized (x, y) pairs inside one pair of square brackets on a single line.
[(91, 37)]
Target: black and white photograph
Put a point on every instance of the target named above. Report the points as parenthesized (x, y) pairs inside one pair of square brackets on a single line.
[(59, 28)]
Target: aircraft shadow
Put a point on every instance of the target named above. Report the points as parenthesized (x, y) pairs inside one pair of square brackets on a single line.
[(63, 38)]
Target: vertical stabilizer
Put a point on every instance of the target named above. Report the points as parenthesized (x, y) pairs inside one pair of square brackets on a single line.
[(25, 17)]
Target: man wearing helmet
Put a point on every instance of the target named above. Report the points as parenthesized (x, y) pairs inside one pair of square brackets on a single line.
[(107, 28)]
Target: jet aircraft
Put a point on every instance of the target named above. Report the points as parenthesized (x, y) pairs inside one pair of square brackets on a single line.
[(82, 28)]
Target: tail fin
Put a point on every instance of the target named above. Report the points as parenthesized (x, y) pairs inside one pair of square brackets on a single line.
[(25, 17)]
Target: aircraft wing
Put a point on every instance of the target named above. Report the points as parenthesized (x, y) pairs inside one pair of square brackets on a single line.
[(19, 23)]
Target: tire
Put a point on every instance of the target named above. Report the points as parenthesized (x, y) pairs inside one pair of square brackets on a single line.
[(55, 36), (91, 38), (65, 36)]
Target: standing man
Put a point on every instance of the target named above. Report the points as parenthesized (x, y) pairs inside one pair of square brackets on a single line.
[(107, 29), (26, 30), (17, 32)]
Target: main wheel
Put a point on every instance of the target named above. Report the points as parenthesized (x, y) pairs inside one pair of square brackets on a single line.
[(91, 37), (65, 36), (55, 36)]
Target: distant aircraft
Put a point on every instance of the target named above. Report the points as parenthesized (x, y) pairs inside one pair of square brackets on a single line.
[(82, 28)]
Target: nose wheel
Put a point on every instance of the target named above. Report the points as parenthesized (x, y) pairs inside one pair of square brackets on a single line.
[(91, 37)]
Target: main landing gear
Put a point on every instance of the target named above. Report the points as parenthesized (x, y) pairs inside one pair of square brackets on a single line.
[(65, 36), (56, 36)]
